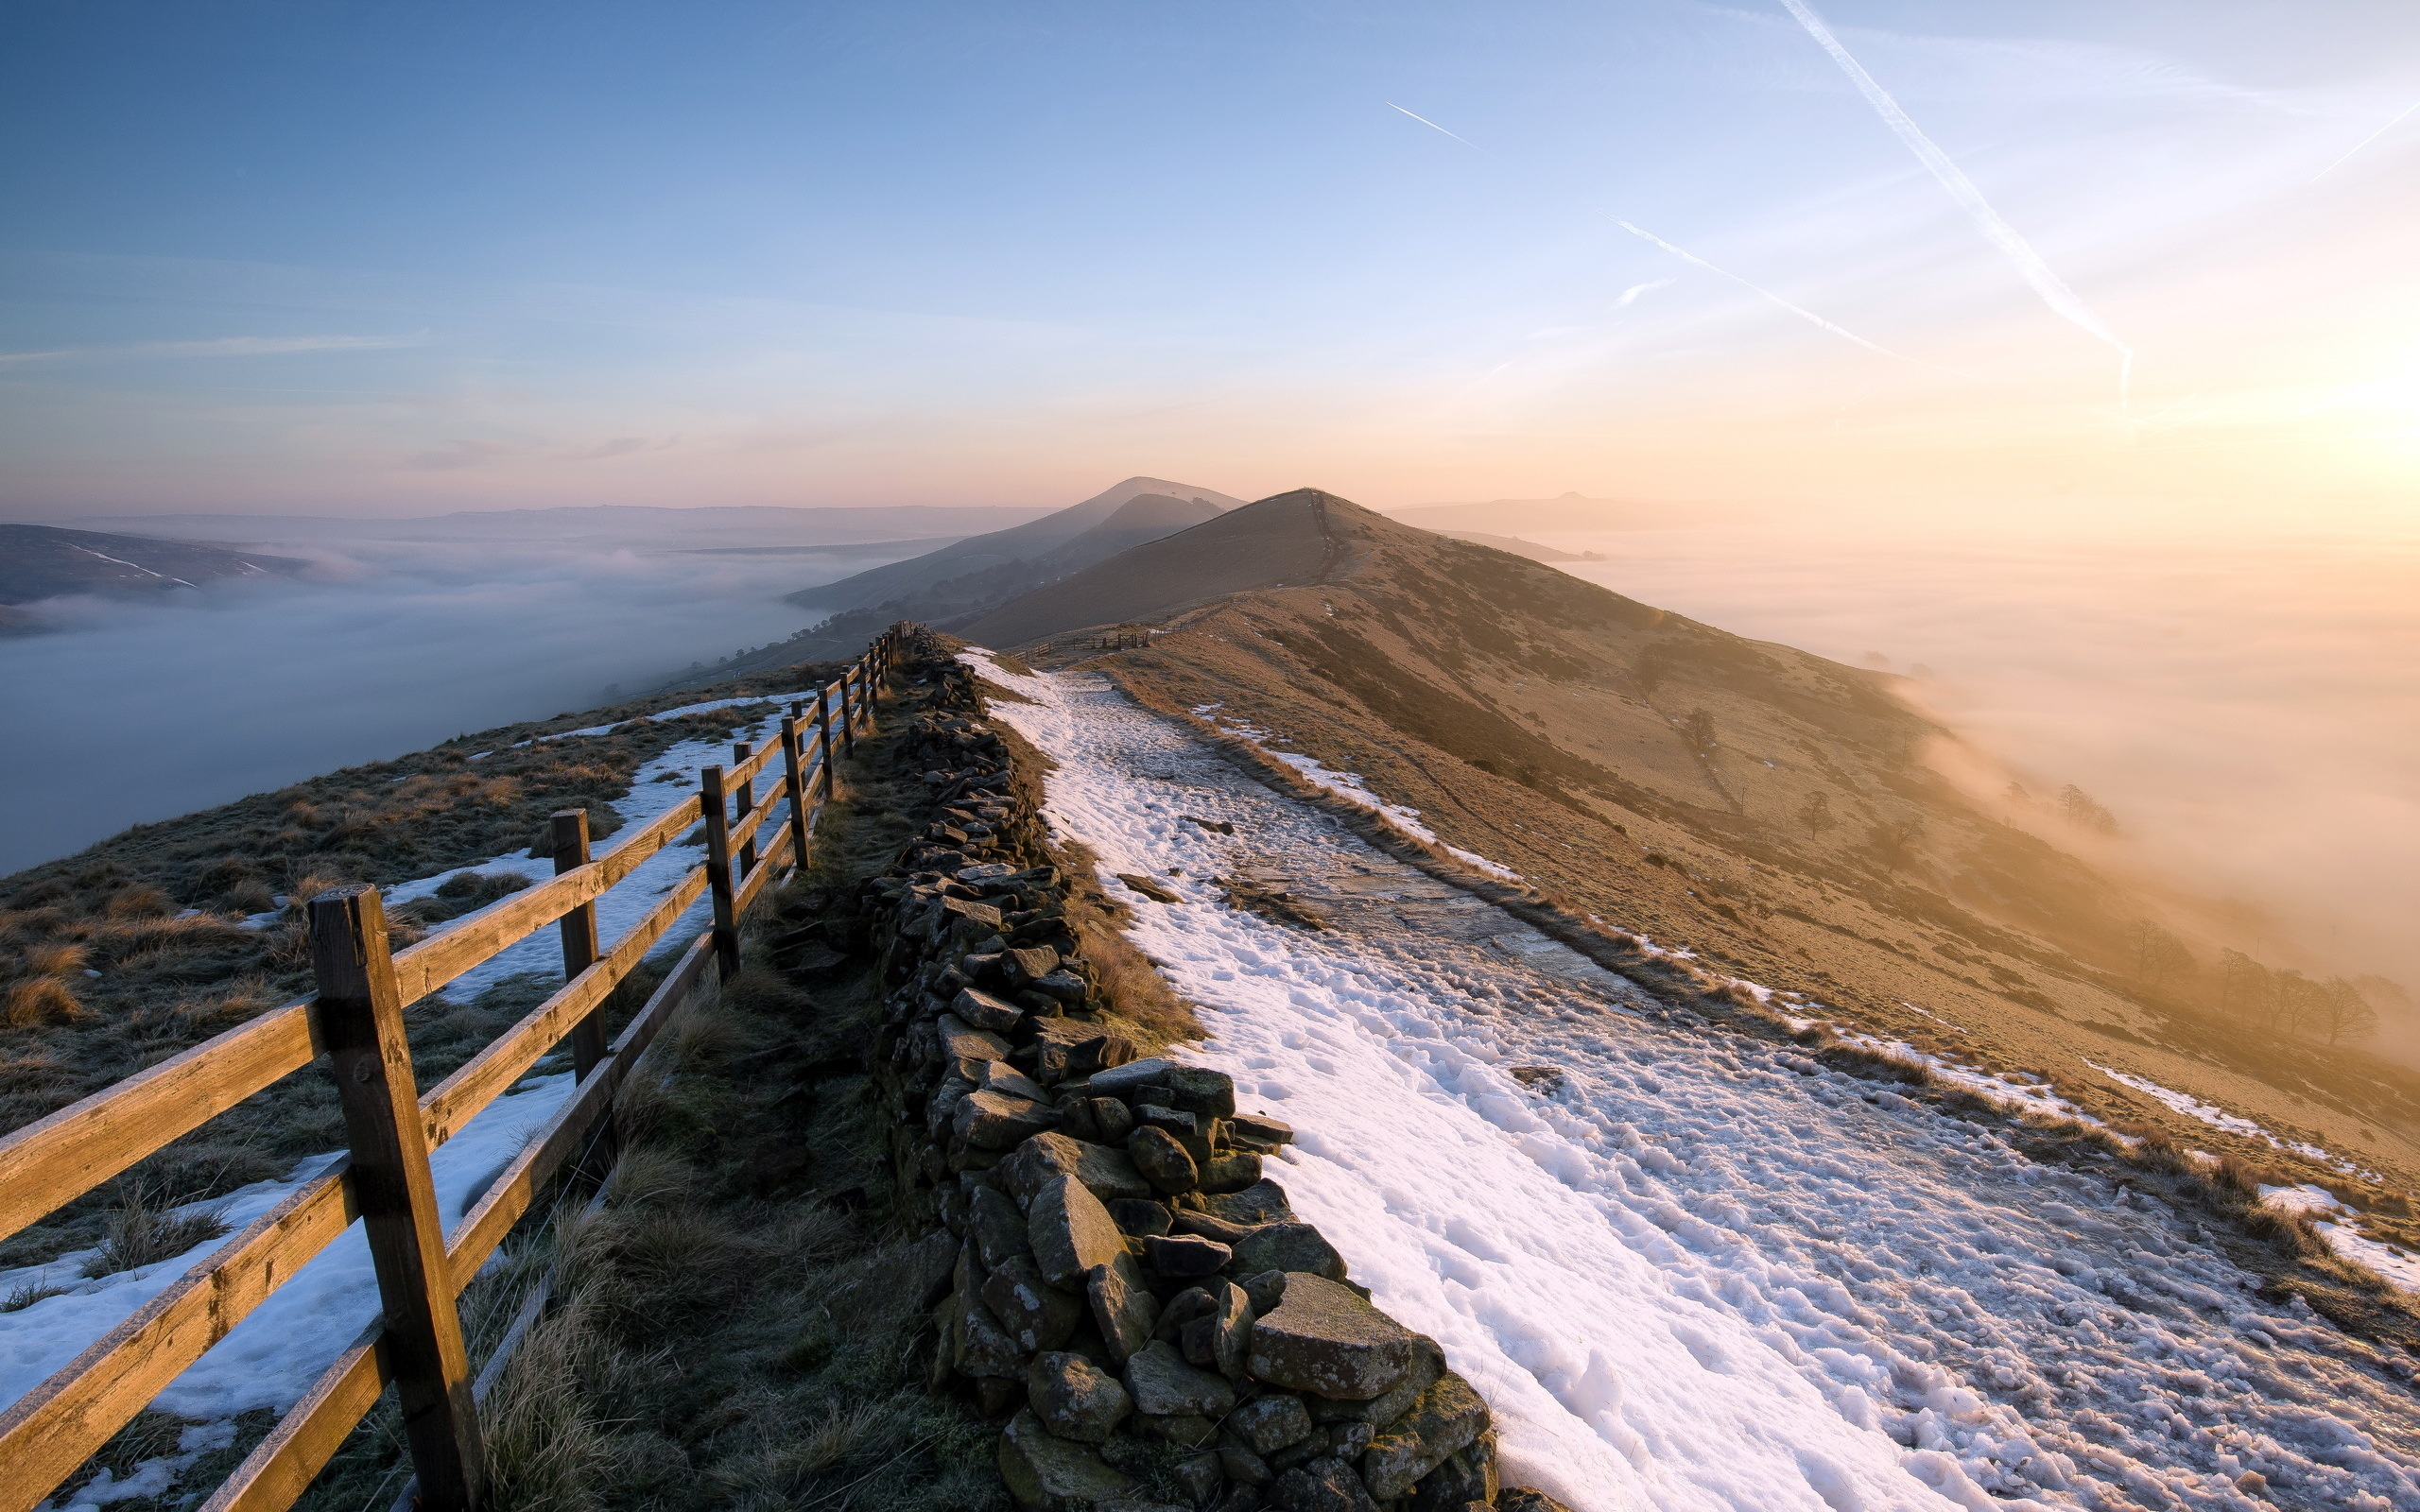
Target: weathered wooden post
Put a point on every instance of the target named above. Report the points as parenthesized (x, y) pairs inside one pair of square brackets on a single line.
[(824, 751), (794, 785), (848, 718), (360, 1017), (740, 751), (580, 937), (719, 869)]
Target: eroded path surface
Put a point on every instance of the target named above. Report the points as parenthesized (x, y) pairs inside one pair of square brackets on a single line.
[(1695, 1270)]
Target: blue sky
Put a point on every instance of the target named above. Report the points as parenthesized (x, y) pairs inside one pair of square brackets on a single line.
[(410, 258)]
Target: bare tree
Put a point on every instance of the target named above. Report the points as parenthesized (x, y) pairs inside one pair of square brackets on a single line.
[(2081, 811), (2244, 987), (2340, 1013), (1701, 728), (2155, 954), (1817, 816), (1895, 844)]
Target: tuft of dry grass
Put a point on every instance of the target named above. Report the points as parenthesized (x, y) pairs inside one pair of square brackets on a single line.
[(146, 1230)]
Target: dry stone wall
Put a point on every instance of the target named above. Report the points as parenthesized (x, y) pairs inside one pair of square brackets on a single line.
[(1134, 1297)]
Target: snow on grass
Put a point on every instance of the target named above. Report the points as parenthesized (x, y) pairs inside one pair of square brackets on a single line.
[(706, 708), (1351, 788), (2217, 1117), (2334, 1223), (1706, 1273), (274, 1354)]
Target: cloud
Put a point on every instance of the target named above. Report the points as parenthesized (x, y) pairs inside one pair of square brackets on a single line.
[(224, 347), (382, 649)]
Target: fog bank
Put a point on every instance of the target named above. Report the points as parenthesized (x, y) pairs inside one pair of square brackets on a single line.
[(2247, 708), (140, 711)]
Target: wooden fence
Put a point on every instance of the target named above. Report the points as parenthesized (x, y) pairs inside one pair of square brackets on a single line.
[(355, 1021)]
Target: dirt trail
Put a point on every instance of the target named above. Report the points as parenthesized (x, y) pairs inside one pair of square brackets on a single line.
[(1692, 1270)]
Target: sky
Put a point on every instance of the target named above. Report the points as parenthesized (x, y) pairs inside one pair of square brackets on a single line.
[(1969, 260)]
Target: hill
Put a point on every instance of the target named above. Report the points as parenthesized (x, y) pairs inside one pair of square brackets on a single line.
[(1522, 548), (967, 578), (1773, 813), (904, 582), (44, 561)]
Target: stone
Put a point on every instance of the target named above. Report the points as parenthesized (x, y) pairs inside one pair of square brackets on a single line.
[(1183, 1257), (985, 871), (1261, 1128), (999, 1229), (1322, 1485), (1245, 1466), (1121, 1081), (999, 1076), (1076, 1119), (1522, 1499), (1114, 1119), (928, 1268), (1286, 1246), (996, 1121), (1107, 1174), (1183, 1430), (1151, 1115), (1035, 1314), (1238, 1498), (1160, 1160), (1147, 887), (1271, 1421), (1190, 1089), (1324, 1339), (1468, 1475), (1123, 1306), (1163, 1385), (1237, 1171), (1193, 1303), (1264, 1201), (984, 1012), (1265, 1291), (1202, 1225), (1062, 985), (1067, 1047), (1222, 1340), (995, 1397), (1047, 1473), (982, 914), (961, 1040), (1026, 962), (1381, 1411), (1070, 1232), (1198, 1478), (1075, 1399), (984, 1348), (1140, 1216)]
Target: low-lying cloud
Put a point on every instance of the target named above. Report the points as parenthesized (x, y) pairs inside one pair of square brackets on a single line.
[(2246, 707), (140, 711)]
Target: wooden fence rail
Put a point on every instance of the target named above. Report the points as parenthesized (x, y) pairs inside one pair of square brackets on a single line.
[(384, 1178)]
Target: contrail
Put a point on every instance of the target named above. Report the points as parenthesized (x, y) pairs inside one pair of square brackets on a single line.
[(2366, 141), (1841, 331), (1434, 126), (2029, 262), (1636, 289)]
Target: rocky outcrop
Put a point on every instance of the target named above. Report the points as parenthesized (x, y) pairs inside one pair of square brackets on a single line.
[(1134, 1299)]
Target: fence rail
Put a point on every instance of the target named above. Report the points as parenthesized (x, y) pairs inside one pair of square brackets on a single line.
[(355, 1019)]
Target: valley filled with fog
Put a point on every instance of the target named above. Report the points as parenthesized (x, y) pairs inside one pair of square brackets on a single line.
[(132, 710), (2246, 706)]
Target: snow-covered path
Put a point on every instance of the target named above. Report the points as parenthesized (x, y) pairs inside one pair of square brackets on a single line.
[(1697, 1271)]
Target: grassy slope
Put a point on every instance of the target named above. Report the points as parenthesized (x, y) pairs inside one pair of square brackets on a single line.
[(168, 982), (1553, 727)]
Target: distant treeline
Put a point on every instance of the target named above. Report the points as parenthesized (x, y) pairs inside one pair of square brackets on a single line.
[(2281, 999)]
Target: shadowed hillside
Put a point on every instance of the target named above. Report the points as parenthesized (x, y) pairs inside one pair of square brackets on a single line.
[(1767, 809), (43, 561)]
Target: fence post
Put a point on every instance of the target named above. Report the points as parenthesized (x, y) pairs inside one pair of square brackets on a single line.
[(823, 721), (795, 786), (361, 1016), (580, 937), (848, 717), (719, 869), (746, 804)]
